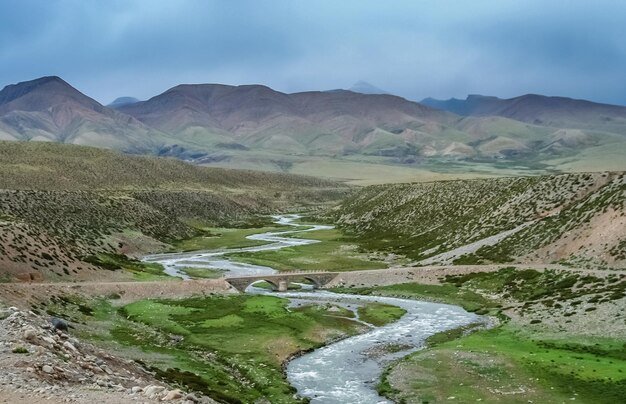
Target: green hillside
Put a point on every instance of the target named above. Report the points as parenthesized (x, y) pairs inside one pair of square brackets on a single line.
[(77, 205), (541, 217)]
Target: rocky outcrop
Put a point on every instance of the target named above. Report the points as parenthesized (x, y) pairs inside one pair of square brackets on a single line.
[(39, 361)]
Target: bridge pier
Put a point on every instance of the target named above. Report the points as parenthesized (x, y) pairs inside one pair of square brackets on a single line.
[(283, 286)]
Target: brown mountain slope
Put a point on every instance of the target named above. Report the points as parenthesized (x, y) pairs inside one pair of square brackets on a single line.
[(258, 116), (49, 109), (245, 123), (320, 123), (256, 127), (237, 109)]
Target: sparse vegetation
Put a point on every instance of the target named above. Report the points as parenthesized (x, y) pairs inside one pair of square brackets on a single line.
[(428, 219), (62, 204), (379, 314)]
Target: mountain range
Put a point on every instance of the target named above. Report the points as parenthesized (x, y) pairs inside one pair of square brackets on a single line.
[(254, 126), (539, 110)]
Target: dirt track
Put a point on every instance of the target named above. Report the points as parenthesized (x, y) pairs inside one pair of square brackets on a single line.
[(24, 294), (431, 274)]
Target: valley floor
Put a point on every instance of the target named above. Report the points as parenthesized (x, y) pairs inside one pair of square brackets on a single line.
[(559, 327), (424, 283)]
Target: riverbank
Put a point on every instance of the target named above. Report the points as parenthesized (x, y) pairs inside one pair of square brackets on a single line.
[(231, 347), (561, 339), (246, 342)]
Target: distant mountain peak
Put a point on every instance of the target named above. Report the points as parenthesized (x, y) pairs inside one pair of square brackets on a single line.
[(364, 87), (122, 101), (14, 91), (479, 97)]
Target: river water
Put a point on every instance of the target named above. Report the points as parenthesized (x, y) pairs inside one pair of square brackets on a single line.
[(346, 371), (175, 262)]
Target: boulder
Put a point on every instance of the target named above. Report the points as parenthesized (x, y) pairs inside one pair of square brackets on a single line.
[(192, 397), (47, 369), (152, 390), (59, 324), (29, 333), (173, 395), (67, 345)]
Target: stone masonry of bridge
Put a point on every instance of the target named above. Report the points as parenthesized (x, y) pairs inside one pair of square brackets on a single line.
[(280, 281)]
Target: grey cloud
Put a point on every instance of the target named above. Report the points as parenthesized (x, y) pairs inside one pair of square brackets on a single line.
[(412, 48)]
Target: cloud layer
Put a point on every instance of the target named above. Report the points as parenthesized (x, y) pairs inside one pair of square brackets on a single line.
[(410, 48)]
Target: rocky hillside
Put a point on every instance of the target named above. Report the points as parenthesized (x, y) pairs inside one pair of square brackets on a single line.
[(61, 206), (574, 218), (37, 359)]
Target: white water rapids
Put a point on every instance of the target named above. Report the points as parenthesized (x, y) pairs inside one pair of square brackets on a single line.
[(345, 371)]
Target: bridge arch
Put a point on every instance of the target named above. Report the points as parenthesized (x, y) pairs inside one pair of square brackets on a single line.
[(259, 280), (316, 282), (280, 281)]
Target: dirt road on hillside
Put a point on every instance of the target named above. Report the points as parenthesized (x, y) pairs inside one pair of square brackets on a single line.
[(25, 294)]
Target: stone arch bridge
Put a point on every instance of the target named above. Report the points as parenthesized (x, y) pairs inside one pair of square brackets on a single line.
[(280, 281)]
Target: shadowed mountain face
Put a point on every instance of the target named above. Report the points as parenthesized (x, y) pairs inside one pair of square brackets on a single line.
[(49, 109), (559, 112)]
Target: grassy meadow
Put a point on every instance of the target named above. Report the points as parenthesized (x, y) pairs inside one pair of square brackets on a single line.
[(222, 238), (508, 363), (333, 253), (229, 347)]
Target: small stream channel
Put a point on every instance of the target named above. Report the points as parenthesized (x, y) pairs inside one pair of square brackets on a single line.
[(346, 371)]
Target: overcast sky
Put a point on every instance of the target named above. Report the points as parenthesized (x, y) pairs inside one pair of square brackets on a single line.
[(412, 48)]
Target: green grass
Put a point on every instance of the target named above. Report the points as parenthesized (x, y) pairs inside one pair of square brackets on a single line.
[(204, 273), (219, 238), (508, 363), (380, 314), (76, 308), (232, 347), (141, 271), (479, 365), (447, 293), (19, 350), (332, 254)]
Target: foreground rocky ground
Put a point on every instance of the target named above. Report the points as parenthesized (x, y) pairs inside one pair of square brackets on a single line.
[(40, 364)]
